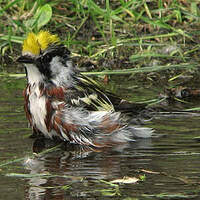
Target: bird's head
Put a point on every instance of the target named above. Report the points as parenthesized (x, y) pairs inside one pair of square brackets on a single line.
[(45, 58)]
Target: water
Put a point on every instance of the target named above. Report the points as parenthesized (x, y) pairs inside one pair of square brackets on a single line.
[(169, 163)]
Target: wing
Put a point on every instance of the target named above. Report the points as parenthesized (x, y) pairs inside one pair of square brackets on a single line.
[(91, 95), (88, 93)]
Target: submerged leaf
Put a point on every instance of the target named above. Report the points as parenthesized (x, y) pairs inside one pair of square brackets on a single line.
[(28, 175), (126, 180), (150, 172)]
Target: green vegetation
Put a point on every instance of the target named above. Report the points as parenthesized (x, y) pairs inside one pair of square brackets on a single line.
[(109, 34), (151, 42)]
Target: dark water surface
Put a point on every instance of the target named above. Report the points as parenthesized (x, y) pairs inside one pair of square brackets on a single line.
[(170, 165)]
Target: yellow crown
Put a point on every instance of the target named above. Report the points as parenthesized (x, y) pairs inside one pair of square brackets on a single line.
[(34, 43)]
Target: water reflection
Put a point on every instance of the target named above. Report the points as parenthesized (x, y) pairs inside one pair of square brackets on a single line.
[(73, 172), (76, 165)]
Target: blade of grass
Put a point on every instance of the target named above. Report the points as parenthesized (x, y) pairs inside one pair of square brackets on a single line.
[(13, 75), (143, 69), (145, 55), (193, 109), (15, 39), (47, 175), (29, 175)]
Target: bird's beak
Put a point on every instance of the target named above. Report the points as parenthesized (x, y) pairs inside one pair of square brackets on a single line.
[(25, 59)]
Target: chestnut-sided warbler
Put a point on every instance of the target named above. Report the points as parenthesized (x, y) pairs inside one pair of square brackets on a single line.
[(61, 102)]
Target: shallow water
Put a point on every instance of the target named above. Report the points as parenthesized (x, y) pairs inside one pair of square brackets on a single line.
[(170, 163)]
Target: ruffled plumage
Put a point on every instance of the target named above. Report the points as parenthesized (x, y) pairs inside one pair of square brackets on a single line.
[(61, 102)]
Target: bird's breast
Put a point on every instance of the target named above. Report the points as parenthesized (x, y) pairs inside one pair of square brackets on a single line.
[(37, 107)]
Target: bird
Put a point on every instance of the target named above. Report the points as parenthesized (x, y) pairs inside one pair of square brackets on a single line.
[(60, 102)]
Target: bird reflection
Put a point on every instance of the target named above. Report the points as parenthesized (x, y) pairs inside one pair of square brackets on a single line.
[(56, 166)]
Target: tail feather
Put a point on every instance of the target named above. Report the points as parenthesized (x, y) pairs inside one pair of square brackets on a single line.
[(123, 135), (130, 133), (141, 132)]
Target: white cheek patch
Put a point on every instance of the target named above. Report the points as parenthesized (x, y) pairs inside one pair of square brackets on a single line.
[(61, 74)]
